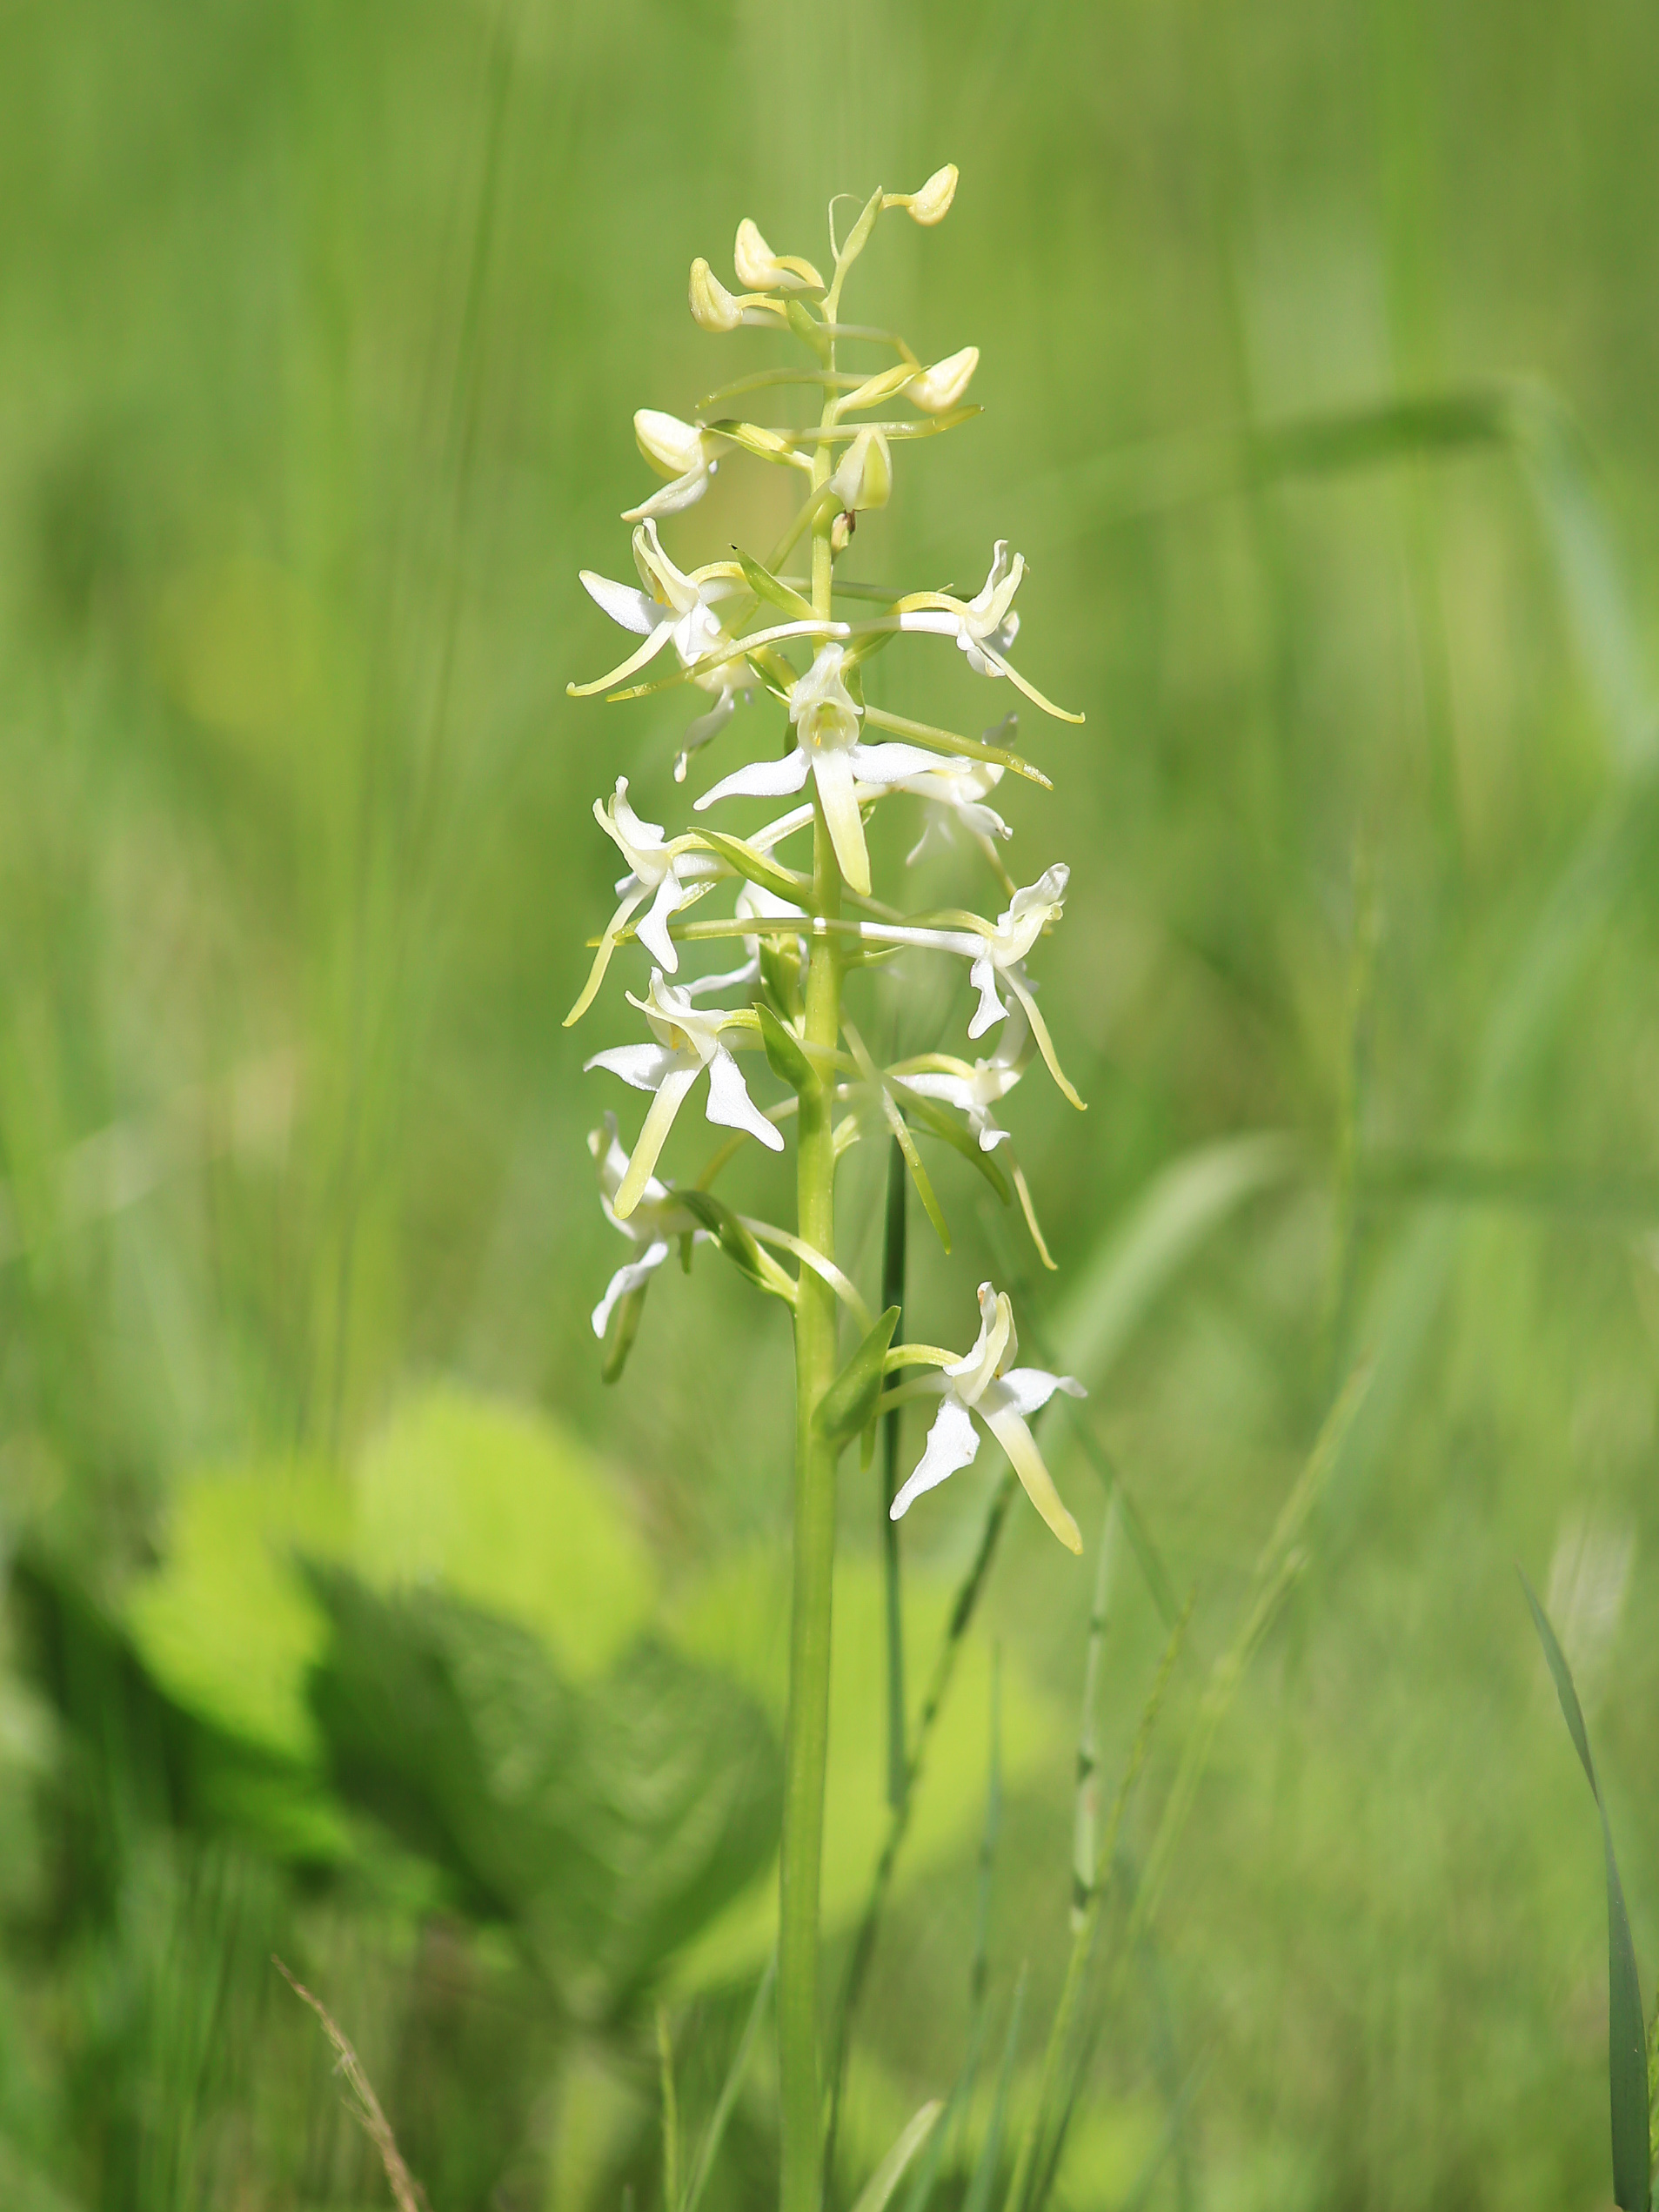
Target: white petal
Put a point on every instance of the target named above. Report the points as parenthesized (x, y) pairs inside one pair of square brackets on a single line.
[(936, 621), (699, 732), (832, 772), (683, 491), (635, 610), (1026, 1390), (953, 1443), (729, 1104), (983, 977), (887, 763), (653, 930), (951, 1091), (642, 1065), (761, 779), (628, 1278)]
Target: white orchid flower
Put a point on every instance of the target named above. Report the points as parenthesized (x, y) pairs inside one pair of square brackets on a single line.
[(688, 1044), (953, 793), (829, 749), (678, 609), (657, 1221), (983, 1385), (1002, 952), (983, 626), (713, 308), (938, 388), (670, 872), (683, 452), (975, 1091), (761, 270)]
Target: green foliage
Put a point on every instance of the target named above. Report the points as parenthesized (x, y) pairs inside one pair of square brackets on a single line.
[(323, 327)]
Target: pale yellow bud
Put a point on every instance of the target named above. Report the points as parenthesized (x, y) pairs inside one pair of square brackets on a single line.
[(673, 447), (933, 203), (865, 477), (943, 384), (712, 306), (761, 270)]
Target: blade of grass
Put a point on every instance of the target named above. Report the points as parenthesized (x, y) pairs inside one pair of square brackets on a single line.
[(1083, 1937), (1086, 1817), (670, 2109), (1627, 2056), (708, 2149), (361, 2102), (985, 2171), (891, 2172)]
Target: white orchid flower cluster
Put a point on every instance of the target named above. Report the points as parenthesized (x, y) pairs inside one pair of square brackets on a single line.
[(744, 628)]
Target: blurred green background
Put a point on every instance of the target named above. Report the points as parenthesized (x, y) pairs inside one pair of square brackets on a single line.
[(350, 1616)]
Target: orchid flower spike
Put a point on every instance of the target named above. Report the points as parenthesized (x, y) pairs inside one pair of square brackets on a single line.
[(657, 1220), (985, 1385), (688, 456), (761, 270), (829, 749), (688, 1042), (676, 608)]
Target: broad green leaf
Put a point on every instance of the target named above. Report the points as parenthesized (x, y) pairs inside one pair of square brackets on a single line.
[(226, 1624), (1627, 2055), (499, 1504), (851, 1399), (605, 1821)]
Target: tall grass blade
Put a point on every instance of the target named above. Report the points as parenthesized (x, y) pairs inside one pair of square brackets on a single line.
[(1051, 2109), (709, 2149), (985, 2171), (1183, 1205), (670, 2109), (1627, 2055), (887, 2176), (1085, 1816)]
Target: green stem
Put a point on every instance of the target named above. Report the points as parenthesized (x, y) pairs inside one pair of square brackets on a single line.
[(806, 1734)]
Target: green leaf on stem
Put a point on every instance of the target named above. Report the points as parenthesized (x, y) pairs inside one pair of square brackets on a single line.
[(850, 1400), (766, 586), (786, 1054), (734, 1240), (756, 867)]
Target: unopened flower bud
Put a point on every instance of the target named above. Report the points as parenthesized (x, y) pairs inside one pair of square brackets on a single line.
[(712, 306), (865, 477), (941, 387), (761, 270), (673, 447), (932, 204)]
